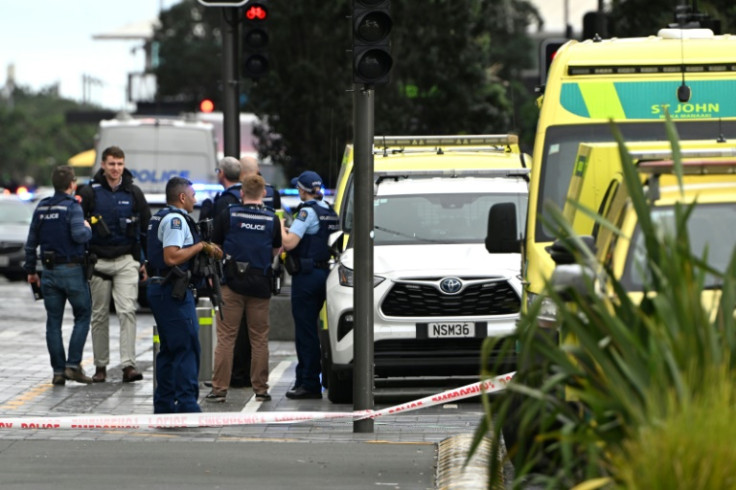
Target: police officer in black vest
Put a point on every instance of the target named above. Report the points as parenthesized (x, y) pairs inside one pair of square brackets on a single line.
[(241, 375), (58, 226), (250, 235), (173, 242), (119, 215), (308, 263)]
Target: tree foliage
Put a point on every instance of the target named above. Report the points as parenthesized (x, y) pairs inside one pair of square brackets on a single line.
[(646, 17), (457, 67), (35, 137)]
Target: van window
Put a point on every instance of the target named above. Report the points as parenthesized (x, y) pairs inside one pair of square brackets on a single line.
[(561, 148)]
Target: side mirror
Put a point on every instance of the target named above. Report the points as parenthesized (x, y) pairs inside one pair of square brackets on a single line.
[(502, 235), (336, 242), (563, 249)]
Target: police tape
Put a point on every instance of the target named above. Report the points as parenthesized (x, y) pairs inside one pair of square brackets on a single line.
[(220, 419)]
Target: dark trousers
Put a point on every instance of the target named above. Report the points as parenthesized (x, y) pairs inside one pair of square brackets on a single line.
[(241, 356), (177, 363), (307, 298)]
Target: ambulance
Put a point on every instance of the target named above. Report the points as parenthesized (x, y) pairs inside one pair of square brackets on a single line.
[(689, 74)]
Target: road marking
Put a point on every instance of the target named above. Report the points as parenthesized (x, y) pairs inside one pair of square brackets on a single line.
[(273, 378)]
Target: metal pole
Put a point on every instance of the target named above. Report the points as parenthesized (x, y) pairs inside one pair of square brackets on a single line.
[(230, 81), (363, 231)]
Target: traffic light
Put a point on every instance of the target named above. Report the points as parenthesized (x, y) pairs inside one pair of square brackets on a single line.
[(206, 105), (595, 23), (255, 39), (372, 24), (547, 51)]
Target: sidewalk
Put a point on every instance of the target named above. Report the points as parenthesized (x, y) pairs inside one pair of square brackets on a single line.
[(26, 391)]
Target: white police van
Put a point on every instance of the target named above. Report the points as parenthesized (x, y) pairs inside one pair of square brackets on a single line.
[(157, 149)]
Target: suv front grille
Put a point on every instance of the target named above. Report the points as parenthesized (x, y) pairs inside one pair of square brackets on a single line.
[(493, 297)]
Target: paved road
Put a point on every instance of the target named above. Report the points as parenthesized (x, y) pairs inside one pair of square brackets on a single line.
[(401, 452)]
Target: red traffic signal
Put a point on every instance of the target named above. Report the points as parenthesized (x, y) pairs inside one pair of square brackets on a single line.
[(255, 39), (256, 12), (206, 105)]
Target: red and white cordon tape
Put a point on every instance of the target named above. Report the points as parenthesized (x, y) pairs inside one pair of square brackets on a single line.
[(219, 419)]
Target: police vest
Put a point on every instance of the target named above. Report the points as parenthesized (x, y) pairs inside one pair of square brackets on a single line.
[(156, 247), (231, 195), (116, 208), (54, 230), (250, 237), (315, 246)]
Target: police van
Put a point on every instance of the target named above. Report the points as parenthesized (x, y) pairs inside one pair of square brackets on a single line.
[(157, 149)]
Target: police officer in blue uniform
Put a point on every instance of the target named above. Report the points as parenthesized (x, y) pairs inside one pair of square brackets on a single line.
[(58, 226), (228, 173), (308, 263), (173, 242), (119, 215)]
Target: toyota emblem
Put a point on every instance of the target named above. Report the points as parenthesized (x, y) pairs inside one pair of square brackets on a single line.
[(451, 285)]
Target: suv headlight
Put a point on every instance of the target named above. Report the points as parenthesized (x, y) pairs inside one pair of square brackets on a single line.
[(347, 277), (547, 317)]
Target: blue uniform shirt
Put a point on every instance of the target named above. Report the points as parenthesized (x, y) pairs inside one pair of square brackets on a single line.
[(306, 221), (174, 231)]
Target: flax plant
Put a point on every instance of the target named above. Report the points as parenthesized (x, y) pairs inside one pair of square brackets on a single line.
[(623, 381)]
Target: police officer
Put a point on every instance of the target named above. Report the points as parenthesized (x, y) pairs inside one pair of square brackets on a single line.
[(228, 173), (250, 235), (241, 374), (308, 263), (119, 214), (173, 242), (272, 199), (58, 226)]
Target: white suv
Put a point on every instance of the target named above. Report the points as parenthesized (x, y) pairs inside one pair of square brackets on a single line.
[(438, 292)]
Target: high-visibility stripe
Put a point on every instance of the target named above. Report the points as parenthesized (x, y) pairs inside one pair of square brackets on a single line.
[(602, 100)]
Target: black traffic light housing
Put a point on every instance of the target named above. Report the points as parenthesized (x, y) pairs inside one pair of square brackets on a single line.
[(372, 24), (547, 50), (255, 39), (595, 23)]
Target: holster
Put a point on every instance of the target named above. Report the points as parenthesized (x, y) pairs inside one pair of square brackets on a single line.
[(277, 276), (49, 259), (235, 270), (293, 264), (90, 259), (103, 231), (179, 281)]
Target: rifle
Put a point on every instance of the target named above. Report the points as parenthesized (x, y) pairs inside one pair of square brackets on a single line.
[(209, 268)]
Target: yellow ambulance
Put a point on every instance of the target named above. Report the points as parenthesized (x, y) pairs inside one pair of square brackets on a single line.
[(688, 73)]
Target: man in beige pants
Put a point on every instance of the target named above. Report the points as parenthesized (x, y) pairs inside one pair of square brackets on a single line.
[(250, 236), (119, 215)]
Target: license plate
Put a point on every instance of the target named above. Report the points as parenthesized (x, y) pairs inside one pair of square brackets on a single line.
[(4, 261), (451, 330)]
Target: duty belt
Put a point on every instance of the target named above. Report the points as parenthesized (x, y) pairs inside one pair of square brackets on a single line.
[(69, 260), (322, 265)]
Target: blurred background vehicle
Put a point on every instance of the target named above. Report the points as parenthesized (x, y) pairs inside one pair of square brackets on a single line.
[(15, 219)]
